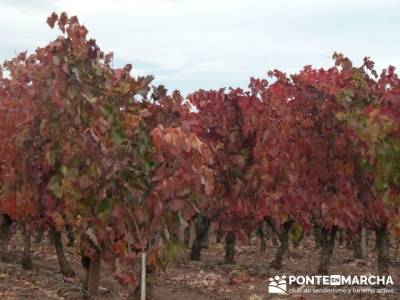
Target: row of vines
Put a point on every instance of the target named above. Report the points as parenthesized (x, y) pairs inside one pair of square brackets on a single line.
[(121, 165)]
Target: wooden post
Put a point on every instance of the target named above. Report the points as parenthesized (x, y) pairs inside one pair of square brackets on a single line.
[(143, 278)]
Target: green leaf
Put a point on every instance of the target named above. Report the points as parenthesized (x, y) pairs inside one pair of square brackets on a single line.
[(297, 232), (55, 186), (118, 136), (104, 205), (108, 112), (171, 250)]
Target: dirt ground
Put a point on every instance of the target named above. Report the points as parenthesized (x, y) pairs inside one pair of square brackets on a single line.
[(189, 280)]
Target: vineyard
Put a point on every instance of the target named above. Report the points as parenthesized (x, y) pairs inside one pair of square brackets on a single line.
[(207, 195)]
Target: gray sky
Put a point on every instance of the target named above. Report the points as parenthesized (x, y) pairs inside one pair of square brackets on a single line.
[(192, 44)]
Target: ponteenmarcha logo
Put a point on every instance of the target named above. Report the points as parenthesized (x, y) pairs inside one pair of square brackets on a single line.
[(277, 285), (340, 280), (281, 284)]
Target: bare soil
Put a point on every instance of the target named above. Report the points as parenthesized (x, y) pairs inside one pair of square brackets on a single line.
[(190, 280)]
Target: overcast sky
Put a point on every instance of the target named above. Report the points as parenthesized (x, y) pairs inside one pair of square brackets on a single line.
[(190, 44)]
